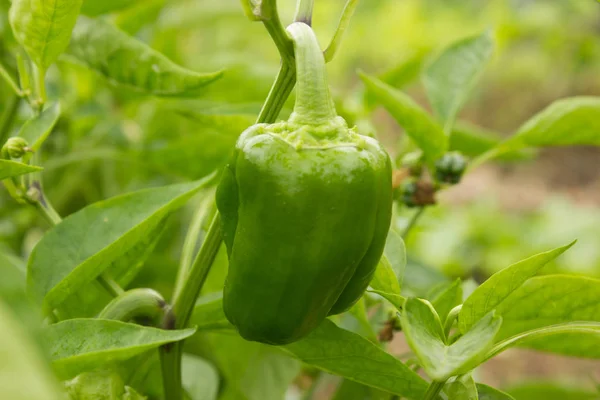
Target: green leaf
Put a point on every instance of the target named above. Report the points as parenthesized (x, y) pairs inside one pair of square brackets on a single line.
[(43, 27), (550, 390), (37, 129), (97, 385), (473, 141), (208, 314), (10, 169), (450, 78), (462, 388), (446, 298), (79, 345), (389, 274), (84, 244), (419, 278), (417, 123), (24, 374), (347, 354), (489, 393), (425, 335), (567, 122), (501, 285), (124, 60), (93, 8), (348, 390), (200, 378)]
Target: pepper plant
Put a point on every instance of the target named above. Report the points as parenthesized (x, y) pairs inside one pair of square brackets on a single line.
[(311, 210)]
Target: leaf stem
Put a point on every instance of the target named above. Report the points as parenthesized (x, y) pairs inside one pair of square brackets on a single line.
[(271, 21), (8, 117), (412, 222), (110, 285), (434, 389), (280, 91), (343, 24), (40, 82)]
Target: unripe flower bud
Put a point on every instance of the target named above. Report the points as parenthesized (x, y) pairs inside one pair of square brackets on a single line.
[(16, 147)]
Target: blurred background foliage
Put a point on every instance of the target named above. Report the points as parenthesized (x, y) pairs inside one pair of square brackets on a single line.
[(111, 140)]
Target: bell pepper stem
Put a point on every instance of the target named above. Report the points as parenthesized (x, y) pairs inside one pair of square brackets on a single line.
[(314, 105)]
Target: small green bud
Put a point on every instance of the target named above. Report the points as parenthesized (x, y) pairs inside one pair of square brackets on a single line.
[(450, 168), (16, 147), (413, 162)]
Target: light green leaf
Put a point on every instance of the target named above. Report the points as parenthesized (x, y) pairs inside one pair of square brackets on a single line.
[(389, 274), (79, 345), (501, 285), (10, 169), (126, 61), (473, 141), (347, 354), (359, 312), (462, 388), (424, 334), (489, 393), (94, 8), (43, 27), (550, 390), (417, 123), (200, 378), (567, 122), (96, 385), (450, 78), (37, 129), (24, 374), (446, 298), (585, 330), (84, 244)]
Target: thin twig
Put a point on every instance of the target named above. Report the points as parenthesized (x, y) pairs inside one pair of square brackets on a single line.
[(412, 222)]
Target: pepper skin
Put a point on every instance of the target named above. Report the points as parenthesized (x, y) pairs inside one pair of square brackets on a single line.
[(306, 207)]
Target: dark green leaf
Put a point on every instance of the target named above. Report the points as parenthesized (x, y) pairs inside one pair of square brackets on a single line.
[(126, 61), (347, 354), (450, 78), (78, 249), (501, 285), (425, 335), (10, 169), (44, 27), (417, 123), (79, 345), (37, 129)]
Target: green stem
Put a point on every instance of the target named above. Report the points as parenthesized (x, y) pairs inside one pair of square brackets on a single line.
[(135, 303), (270, 18), (452, 316), (280, 91), (40, 82), (434, 389), (110, 285), (412, 222), (8, 117), (23, 75), (334, 45), (304, 11), (191, 240), (10, 80), (314, 105)]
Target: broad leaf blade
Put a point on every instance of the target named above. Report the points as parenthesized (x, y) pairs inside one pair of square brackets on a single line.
[(24, 374), (450, 78), (500, 285), (126, 61), (94, 8), (424, 334), (43, 27), (10, 169), (389, 274), (462, 388), (347, 354), (79, 345), (419, 125), (37, 129), (489, 393), (78, 249)]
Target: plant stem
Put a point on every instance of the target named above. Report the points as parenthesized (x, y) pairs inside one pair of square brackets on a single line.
[(10, 80), (271, 21), (412, 222), (40, 82), (304, 10), (280, 91), (110, 285), (435, 387), (8, 117), (334, 45)]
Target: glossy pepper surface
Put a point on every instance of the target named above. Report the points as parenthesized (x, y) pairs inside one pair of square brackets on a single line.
[(306, 207)]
